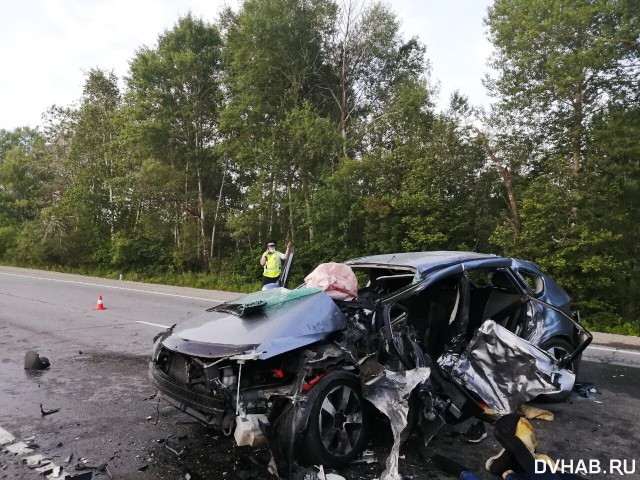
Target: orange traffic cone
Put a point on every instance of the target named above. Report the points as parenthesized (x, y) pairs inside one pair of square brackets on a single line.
[(100, 305)]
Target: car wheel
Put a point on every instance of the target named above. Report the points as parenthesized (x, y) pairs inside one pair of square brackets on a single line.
[(335, 432), (559, 348)]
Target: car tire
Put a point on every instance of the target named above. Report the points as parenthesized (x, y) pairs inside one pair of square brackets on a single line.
[(336, 428), (558, 347)]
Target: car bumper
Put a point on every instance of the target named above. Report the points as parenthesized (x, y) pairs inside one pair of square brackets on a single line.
[(208, 409)]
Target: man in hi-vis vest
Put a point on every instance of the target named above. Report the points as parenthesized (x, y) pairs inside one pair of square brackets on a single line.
[(271, 260)]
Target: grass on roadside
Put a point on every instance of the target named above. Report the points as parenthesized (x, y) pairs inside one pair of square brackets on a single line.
[(208, 281)]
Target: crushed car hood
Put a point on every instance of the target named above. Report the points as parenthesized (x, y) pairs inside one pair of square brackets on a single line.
[(270, 322)]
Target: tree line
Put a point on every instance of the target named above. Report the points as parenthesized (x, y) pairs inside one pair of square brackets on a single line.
[(314, 121)]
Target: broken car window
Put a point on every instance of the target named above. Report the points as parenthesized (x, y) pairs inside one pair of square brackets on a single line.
[(533, 281)]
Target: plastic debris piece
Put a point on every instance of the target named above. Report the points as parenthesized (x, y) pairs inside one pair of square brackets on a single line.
[(585, 389), (33, 361), (532, 412), (48, 412), (173, 450)]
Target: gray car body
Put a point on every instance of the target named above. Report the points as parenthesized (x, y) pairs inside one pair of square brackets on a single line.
[(431, 267), (302, 321)]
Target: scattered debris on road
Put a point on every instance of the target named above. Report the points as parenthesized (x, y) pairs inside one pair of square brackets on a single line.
[(585, 389), (80, 476), (173, 450), (33, 361), (48, 412), (368, 457)]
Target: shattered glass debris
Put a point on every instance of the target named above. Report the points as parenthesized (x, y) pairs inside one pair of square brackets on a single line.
[(256, 301)]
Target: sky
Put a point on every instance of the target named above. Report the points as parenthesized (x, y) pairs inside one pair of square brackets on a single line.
[(47, 45)]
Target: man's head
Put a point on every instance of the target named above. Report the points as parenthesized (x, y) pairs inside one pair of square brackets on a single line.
[(271, 246)]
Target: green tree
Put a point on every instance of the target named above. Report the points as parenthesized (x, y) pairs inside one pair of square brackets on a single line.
[(24, 177), (559, 63), (276, 115), (367, 58), (174, 97), (566, 74)]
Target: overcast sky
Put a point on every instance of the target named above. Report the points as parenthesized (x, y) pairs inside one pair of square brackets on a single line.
[(46, 45)]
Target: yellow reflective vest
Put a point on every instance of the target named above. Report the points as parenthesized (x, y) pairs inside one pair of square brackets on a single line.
[(273, 265)]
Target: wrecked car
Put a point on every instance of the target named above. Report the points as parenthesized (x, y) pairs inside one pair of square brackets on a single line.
[(475, 334)]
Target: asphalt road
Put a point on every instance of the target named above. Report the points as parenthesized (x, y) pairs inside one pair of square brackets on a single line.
[(98, 379)]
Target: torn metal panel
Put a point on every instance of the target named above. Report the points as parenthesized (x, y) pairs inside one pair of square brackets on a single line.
[(504, 370), (391, 397)]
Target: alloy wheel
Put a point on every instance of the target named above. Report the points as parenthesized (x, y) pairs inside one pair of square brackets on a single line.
[(341, 420)]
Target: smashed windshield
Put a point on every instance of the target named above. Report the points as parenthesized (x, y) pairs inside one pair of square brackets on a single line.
[(257, 301)]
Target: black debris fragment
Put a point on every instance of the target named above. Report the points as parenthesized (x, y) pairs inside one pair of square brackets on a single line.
[(586, 389), (143, 467), (33, 361), (368, 456), (80, 476), (173, 450), (48, 412)]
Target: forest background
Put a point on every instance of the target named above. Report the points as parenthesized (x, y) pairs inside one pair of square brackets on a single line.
[(314, 121)]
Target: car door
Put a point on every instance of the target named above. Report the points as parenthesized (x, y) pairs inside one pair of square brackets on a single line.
[(486, 357), (285, 274)]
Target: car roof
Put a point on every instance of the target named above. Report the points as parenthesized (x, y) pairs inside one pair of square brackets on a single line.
[(423, 262)]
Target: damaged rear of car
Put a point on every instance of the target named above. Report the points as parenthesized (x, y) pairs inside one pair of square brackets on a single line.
[(432, 337)]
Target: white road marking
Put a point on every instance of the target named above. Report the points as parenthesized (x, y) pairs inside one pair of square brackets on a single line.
[(112, 286), (5, 437), (615, 350), (154, 324)]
